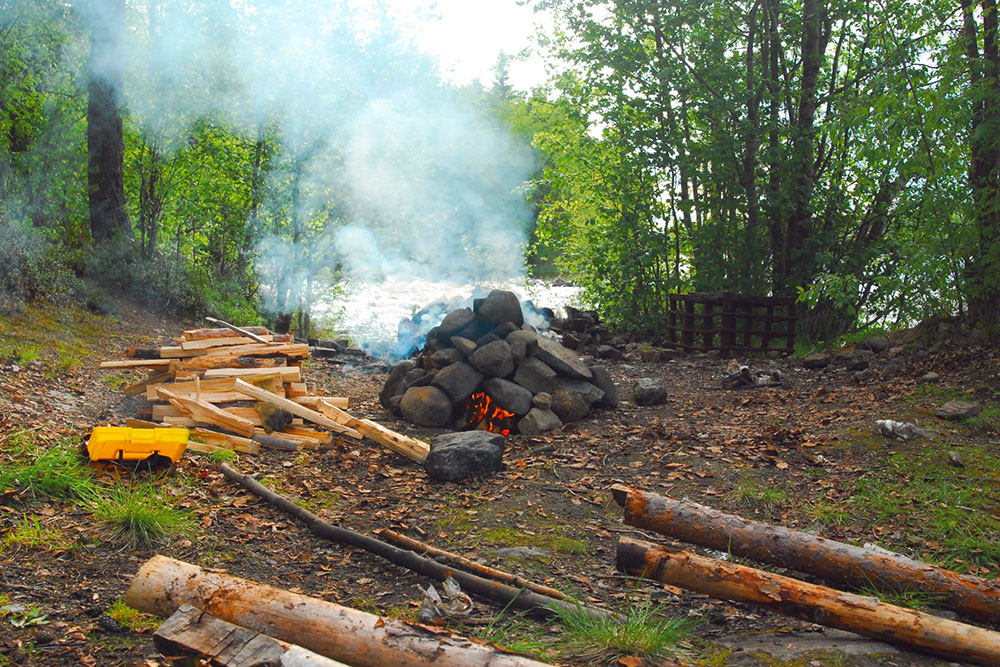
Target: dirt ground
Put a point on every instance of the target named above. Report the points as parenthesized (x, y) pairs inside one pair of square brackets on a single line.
[(803, 455)]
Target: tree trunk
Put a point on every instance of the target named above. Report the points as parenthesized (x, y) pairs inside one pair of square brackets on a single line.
[(105, 146), (836, 562), (163, 584), (864, 615)]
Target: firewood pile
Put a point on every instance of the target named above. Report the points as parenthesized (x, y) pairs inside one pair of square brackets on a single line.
[(242, 389)]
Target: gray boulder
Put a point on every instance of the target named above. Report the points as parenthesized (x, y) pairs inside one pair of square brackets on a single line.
[(958, 410), (569, 406), (501, 306), (608, 352), (522, 344), (602, 380), (542, 400), (446, 357), (585, 390), (457, 456), (561, 359), (538, 421), (454, 322), (928, 377), (816, 360), (458, 381), (396, 376), (413, 379), (509, 396), (535, 376), (465, 345), (877, 344), (426, 406), (648, 391), (494, 359)]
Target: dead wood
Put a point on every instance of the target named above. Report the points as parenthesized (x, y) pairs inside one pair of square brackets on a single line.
[(864, 615), (837, 563), (243, 332), (341, 633), (221, 332), (535, 603)]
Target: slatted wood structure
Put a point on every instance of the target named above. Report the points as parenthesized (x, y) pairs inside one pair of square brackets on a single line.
[(731, 322)]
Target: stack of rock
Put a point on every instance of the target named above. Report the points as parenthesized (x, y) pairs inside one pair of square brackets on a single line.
[(489, 350), (582, 330)]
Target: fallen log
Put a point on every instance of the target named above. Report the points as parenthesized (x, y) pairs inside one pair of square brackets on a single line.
[(469, 565), (192, 633), (293, 407), (837, 563), (541, 605), (341, 633), (864, 615)]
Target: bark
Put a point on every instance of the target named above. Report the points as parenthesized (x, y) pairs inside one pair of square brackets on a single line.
[(835, 562), (105, 146), (533, 602), (864, 615), (163, 584)]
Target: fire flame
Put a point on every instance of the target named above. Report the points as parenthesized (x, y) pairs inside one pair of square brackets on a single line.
[(485, 414)]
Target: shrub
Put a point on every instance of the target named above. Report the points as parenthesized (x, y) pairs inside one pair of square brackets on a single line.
[(30, 268)]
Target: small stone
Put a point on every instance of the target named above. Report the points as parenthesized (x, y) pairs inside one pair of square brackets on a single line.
[(457, 456), (447, 357), (505, 328), (877, 344), (650, 355), (426, 406), (561, 360), (958, 410), (928, 378), (522, 344), (585, 390), (542, 400), (454, 322), (857, 364), (509, 396), (816, 360), (494, 359), (608, 352), (955, 460), (535, 375), (521, 552), (569, 406), (647, 391), (538, 421), (602, 380), (487, 338), (464, 345)]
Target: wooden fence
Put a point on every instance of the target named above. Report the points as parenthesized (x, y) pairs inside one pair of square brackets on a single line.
[(731, 322)]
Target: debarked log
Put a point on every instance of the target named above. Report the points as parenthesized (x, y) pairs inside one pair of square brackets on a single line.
[(163, 584), (864, 615), (837, 563)]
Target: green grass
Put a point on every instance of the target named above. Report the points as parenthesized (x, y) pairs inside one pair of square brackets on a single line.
[(139, 516), (985, 423), (56, 470), (829, 514), (222, 455), (551, 538), (643, 632), (919, 600), (29, 533), (753, 493), (130, 618)]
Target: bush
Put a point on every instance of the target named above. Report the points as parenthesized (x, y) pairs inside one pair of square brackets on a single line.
[(30, 268)]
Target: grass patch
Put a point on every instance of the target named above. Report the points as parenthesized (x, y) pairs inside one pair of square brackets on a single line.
[(919, 600), (753, 493), (222, 455), (31, 534), (516, 634), (553, 538), (932, 391), (985, 423), (139, 516), (643, 632), (829, 514), (130, 618), (58, 471)]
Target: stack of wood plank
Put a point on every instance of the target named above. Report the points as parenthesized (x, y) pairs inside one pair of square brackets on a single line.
[(214, 380)]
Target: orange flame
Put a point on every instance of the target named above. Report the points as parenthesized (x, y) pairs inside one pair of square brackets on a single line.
[(486, 415)]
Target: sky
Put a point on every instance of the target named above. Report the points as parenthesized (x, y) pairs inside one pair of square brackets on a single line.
[(467, 36)]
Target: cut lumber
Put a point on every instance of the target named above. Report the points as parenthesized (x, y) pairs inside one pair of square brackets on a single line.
[(241, 331), (293, 407), (397, 442), (837, 563), (312, 401), (226, 440), (864, 615), (223, 341), (192, 633), (535, 603), (138, 363), (336, 414), (321, 437), (163, 584), (469, 565), (143, 386), (221, 332), (209, 361), (176, 352), (286, 373), (207, 413)]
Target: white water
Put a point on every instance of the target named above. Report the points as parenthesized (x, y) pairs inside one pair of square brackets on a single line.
[(369, 313)]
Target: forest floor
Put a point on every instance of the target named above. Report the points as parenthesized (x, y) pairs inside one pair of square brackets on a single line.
[(803, 455)]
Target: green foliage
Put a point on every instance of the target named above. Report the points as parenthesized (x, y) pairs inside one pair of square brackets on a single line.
[(222, 456), (130, 618), (31, 534), (29, 267), (139, 515), (56, 470)]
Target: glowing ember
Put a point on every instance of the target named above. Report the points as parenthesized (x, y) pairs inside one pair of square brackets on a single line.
[(484, 414)]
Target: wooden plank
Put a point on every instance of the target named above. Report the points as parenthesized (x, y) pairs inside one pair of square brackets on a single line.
[(140, 387), (204, 412), (210, 361), (177, 352), (137, 363), (243, 332), (286, 373), (295, 408), (207, 385), (225, 341), (220, 332), (321, 437), (311, 401), (397, 442)]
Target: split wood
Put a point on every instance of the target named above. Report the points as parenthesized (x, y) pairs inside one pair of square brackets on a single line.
[(836, 562), (163, 584), (864, 615), (530, 601), (242, 332)]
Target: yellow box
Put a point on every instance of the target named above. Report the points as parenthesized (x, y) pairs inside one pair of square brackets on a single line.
[(130, 445)]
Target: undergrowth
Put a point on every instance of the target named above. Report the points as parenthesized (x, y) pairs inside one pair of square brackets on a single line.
[(139, 516), (54, 471)]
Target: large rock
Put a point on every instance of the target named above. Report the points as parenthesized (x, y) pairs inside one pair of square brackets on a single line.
[(585, 390), (457, 456), (509, 396), (569, 406), (648, 391), (523, 344), (446, 357), (538, 421), (454, 322), (535, 375), (501, 306), (877, 344), (427, 406), (494, 359), (816, 360), (560, 359), (464, 345), (956, 410), (602, 380), (477, 328), (458, 381), (395, 380), (413, 379)]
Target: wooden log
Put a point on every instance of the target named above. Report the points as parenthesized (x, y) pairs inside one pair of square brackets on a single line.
[(206, 344), (837, 563), (469, 565), (294, 408), (142, 386), (313, 401), (190, 633), (320, 437), (207, 413), (412, 448), (286, 373), (209, 361), (221, 332), (242, 332), (541, 605), (340, 633), (864, 615), (177, 352), (274, 442)]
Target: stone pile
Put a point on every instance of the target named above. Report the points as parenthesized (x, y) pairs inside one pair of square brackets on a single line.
[(583, 331), (537, 384)]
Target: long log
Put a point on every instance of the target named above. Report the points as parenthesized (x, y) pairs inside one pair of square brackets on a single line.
[(864, 615), (541, 605), (190, 633), (293, 407), (397, 442), (340, 633), (837, 563)]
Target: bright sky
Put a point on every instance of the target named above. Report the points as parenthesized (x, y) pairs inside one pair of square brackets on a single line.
[(468, 35)]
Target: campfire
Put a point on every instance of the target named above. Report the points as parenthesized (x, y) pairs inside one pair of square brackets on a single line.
[(484, 368)]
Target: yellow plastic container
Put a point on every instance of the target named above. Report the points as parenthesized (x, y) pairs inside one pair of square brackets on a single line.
[(131, 445)]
